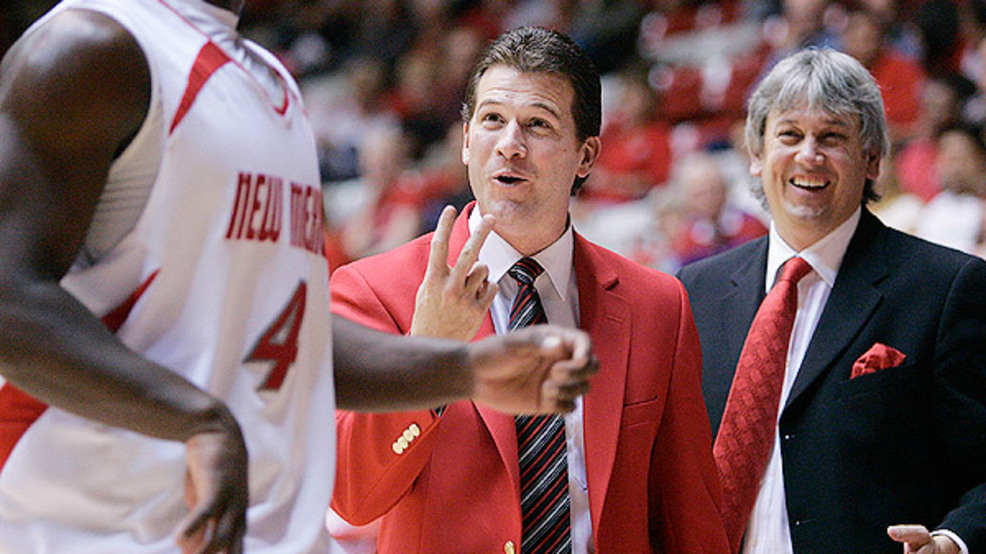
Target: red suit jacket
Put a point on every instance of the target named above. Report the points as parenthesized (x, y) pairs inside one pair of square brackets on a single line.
[(451, 484)]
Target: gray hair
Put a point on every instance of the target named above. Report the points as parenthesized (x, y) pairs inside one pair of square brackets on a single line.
[(827, 80)]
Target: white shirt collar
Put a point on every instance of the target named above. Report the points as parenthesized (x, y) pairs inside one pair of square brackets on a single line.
[(825, 256), (499, 256)]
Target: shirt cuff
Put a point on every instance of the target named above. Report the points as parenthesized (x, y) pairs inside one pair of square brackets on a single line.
[(963, 549)]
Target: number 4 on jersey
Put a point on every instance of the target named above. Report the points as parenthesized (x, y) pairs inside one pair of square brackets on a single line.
[(279, 342)]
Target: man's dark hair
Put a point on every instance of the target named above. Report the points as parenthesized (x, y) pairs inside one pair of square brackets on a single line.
[(539, 50)]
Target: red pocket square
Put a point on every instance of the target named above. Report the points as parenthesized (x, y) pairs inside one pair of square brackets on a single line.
[(879, 356)]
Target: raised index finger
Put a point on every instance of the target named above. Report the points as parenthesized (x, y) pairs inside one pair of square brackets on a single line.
[(438, 256), (470, 252)]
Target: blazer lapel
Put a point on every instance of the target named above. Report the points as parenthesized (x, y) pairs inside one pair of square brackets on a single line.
[(853, 299), (501, 426), (605, 315), (738, 301), (741, 302)]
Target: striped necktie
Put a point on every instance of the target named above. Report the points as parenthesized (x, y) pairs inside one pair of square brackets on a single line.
[(544, 500)]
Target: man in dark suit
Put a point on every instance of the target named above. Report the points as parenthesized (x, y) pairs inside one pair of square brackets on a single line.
[(882, 410), (640, 475)]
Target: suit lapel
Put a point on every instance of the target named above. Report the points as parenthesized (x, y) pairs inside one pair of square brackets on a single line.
[(740, 298), (500, 426), (605, 315), (853, 299), (741, 302)]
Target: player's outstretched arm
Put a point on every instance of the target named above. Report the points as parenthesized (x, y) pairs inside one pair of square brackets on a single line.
[(72, 95), (538, 369)]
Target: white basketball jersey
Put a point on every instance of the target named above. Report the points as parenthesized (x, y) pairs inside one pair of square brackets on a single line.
[(220, 277)]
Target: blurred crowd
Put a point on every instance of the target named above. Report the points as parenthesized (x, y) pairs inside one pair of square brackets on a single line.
[(383, 81)]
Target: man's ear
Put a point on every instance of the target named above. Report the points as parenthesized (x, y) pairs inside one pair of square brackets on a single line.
[(756, 163), (873, 166), (465, 143), (590, 153)]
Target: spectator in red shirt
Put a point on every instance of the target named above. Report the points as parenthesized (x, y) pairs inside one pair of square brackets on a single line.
[(694, 219), (900, 78), (709, 225), (941, 105), (637, 156)]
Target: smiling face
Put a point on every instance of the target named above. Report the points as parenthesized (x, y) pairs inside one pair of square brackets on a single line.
[(523, 154), (813, 167)]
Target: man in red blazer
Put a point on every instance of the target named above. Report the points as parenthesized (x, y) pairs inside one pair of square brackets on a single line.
[(638, 445)]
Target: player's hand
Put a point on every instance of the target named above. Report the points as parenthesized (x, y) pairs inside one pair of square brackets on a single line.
[(918, 540), (540, 369), (451, 303), (216, 493)]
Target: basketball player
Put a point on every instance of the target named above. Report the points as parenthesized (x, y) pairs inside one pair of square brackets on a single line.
[(158, 172)]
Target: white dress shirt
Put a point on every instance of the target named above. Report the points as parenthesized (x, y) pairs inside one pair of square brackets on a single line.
[(768, 531), (560, 299)]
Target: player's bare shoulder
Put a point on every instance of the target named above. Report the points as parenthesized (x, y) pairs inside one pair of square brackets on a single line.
[(81, 69)]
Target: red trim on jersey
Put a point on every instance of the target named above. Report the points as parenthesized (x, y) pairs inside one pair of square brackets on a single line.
[(287, 96), (210, 59), (114, 319), (283, 108), (19, 410)]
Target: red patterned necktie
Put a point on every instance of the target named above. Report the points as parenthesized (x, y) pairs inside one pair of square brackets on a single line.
[(746, 434), (544, 501)]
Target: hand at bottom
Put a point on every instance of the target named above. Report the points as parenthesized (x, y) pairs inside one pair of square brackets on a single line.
[(540, 369), (216, 493), (918, 540)]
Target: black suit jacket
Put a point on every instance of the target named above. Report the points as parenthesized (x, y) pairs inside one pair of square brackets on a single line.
[(903, 445)]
